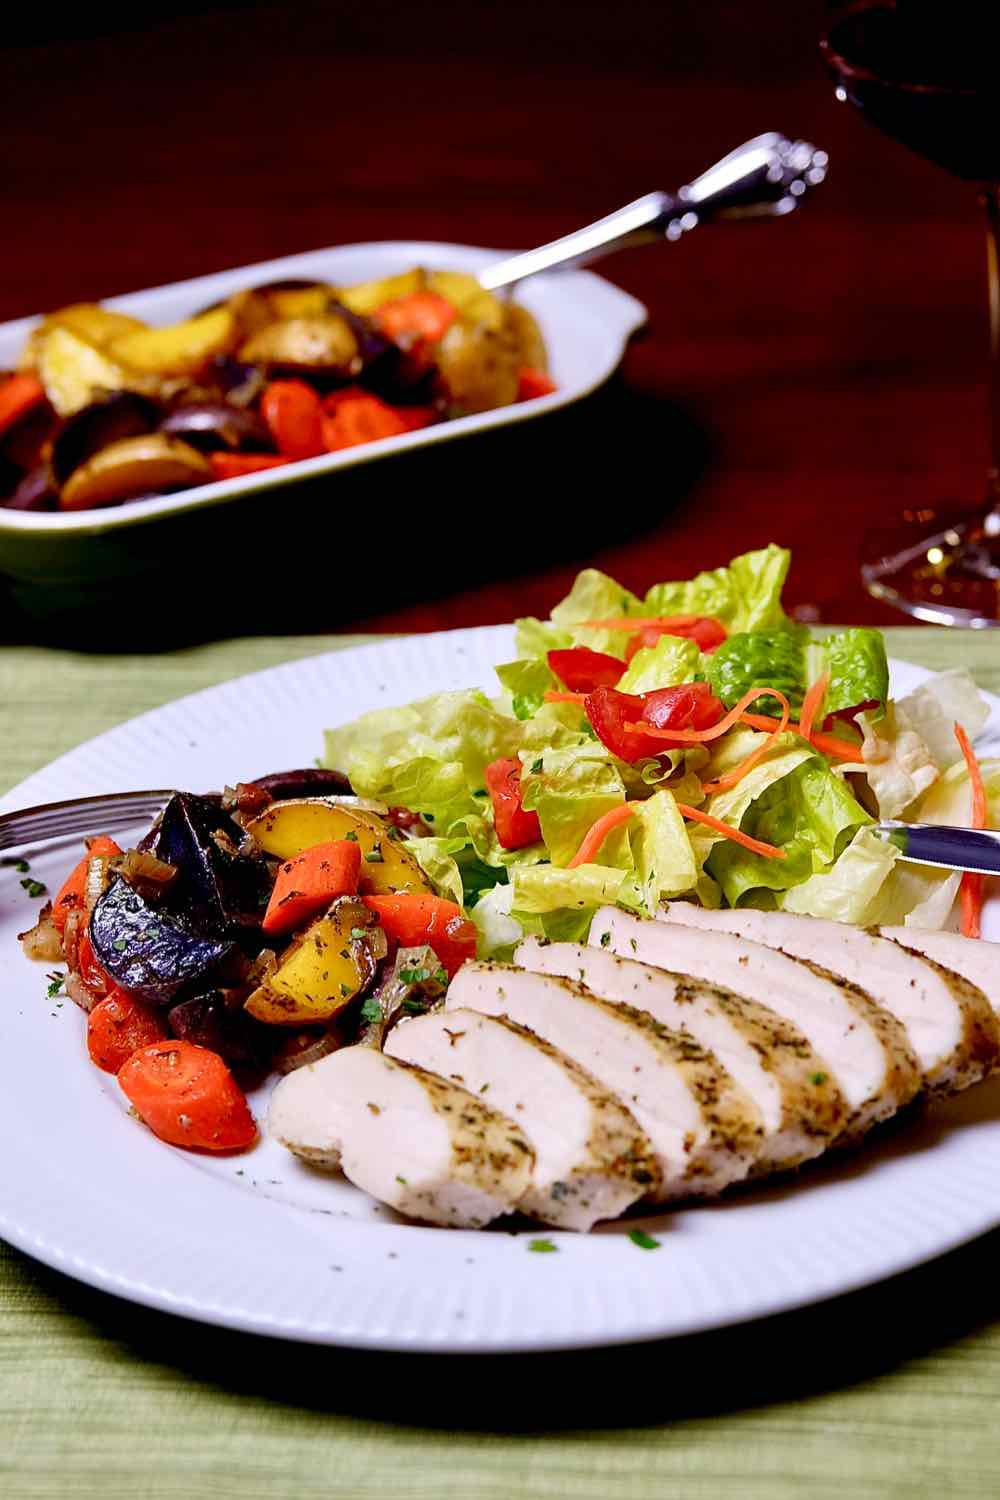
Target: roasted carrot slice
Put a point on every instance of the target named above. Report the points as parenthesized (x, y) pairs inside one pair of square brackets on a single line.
[(188, 1097), (309, 882)]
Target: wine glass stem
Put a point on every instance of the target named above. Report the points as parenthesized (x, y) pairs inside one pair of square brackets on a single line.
[(991, 202)]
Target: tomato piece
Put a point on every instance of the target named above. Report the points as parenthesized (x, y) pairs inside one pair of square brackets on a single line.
[(582, 670), (705, 630), (689, 705), (532, 383), (71, 893), (515, 827), (188, 1097), (416, 918), (609, 711), (294, 415), (117, 1026)]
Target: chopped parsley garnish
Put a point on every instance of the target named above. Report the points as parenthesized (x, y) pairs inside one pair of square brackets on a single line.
[(371, 1011), (427, 817), (414, 976), (817, 1078), (374, 856), (542, 1247), (536, 766), (357, 933), (479, 792), (351, 836), (605, 939), (120, 944), (345, 989), (402, 1180), (20, 865), (55, 984), (414, 1007), (440, 976), (643, 1240), (33, 887)]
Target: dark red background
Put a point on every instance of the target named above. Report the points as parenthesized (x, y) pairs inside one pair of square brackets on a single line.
[(798, 379)]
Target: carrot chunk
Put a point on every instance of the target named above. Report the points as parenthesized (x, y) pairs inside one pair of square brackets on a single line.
[(188, 1097), (310, 881), (117, 1026)]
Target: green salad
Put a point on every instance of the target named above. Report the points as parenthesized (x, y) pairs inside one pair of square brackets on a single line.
[(695, 743)]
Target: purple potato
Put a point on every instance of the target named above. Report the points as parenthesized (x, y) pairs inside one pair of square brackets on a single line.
[(146, 950), (213, 425), (309, 781), (34, 492), (123, 415)]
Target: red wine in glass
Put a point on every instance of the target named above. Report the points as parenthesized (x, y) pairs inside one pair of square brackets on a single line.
[(927, 74)]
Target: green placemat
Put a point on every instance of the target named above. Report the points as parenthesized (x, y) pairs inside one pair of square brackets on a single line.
[(890, 1393)]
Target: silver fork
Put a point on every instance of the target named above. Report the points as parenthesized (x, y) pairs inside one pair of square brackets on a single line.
[(78, 815)]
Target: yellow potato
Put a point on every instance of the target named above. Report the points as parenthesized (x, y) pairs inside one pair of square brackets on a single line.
[(479, 367), (526, 331), (180, 348), (464, 293), (134, 466), (301, 302), (369, 295), (286, 828), (88, 321), (74, 373), (321, 972)]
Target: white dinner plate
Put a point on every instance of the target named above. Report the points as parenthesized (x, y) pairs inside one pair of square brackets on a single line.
[(262, 1243)]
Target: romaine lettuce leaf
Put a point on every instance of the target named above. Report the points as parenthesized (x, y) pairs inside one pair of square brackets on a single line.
[(499, 932), (540, 889), (455, 869), (859, 671), (526, 681), (851, 889), (664, 861), (809, 813), (932, 709), (595, 596), (895, 759), (764, 658), (536, 638), (570, 789), (950, 798), (744, 596), (672, 660), (916, 896)]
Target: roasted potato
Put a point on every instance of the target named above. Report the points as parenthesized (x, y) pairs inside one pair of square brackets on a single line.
[(258, 306), (323, 343), (468, 297), (286, 828), (369, 295), (322, 971), (74, 373), (478, 366), (88, 321), (133, 466), (525, 330), (178, 349)]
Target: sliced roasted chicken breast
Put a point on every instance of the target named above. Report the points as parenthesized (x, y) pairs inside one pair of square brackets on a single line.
[(416, 1141), (949, 1021), (705, 1129), (973, 958), (800, 1105), (591, 1159), (865, 1050)]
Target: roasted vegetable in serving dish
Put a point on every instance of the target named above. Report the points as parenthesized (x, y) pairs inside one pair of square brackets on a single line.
[(104, 409)]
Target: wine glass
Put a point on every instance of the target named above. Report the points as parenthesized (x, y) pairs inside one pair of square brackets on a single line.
[(924, 72)]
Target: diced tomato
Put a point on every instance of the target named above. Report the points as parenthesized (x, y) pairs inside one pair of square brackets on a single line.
[(119, 1025), (582, 670), (690, 705), (705, 630), (188, 1097), (416, 918), (294, 415), (532, 383), (515, 827)]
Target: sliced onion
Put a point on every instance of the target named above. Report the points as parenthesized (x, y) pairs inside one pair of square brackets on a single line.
[(44, 940), (98, 876), (79, 993), (303, 1048)]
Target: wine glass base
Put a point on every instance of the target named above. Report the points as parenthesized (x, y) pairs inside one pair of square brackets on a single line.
[(937, 565)]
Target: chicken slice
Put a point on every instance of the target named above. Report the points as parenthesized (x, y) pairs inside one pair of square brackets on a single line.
[(705, 1130), (591, 1159), (973, 958), (420, 1143), (800, 1106), (949, 1022), (865, 1050)]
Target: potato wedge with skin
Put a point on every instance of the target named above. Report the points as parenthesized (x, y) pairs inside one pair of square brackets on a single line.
[(479, 366), (287, 828), (468, 297), (88, 321), (321, 972), (134, 466), (365, 298), (74, 373), (180, 348), (318, 343)]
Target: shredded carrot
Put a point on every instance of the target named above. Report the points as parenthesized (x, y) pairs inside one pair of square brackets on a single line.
[(556, 697), (756, 846), (731, 778), (810, 705), (972, 884), (598, 832), (829, 744), (698, 736), (639, 622)]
